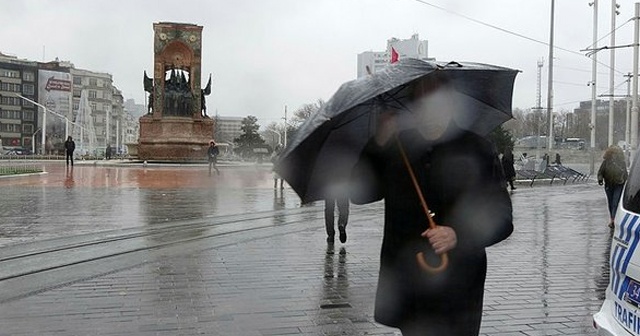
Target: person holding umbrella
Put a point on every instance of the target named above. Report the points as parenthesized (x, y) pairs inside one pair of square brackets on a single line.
[(460, 176), (413, 135)]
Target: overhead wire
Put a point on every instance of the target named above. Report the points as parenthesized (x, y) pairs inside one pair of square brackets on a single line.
[(517, 34)]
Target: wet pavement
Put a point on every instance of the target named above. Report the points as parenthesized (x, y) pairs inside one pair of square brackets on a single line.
[(132, 250)]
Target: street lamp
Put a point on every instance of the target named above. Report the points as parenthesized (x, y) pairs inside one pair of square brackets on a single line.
[(285, 126), (44, 122), (33, 141)]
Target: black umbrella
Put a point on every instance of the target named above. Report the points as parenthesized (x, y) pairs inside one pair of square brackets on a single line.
[(328, 144), (477, 97)]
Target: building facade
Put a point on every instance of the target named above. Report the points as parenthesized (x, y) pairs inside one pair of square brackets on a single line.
[(27, 88), (18, 117), (226, 129), (374, 61)]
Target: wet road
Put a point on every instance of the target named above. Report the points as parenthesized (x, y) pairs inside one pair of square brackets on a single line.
[(66, 200), (253, 262)]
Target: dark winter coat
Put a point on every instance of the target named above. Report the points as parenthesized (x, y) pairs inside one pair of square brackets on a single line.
[(463, 184), (507, 165), (69, 146), (212, 153)]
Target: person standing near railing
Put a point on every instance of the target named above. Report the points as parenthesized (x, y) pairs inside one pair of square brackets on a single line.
[(69, 147)]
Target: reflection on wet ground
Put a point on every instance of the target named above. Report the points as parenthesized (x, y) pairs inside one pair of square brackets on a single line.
[(87, 198), (546, 279)]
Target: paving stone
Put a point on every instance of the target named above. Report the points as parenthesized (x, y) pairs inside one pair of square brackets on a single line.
[(546, 279)]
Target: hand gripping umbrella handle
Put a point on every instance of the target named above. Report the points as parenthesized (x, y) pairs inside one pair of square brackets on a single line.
[(444, 259)]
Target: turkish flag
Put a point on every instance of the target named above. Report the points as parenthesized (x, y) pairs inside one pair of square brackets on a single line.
[(394, 55)]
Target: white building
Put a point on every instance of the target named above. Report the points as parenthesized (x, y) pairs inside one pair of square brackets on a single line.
[(376, 60), (227, 128)]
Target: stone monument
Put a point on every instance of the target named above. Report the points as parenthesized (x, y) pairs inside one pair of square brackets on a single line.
[(176, 126)]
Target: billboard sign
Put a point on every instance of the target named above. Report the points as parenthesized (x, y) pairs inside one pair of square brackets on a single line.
[(55, 91)]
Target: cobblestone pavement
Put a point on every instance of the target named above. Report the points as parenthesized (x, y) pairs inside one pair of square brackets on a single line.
[(172, 251)]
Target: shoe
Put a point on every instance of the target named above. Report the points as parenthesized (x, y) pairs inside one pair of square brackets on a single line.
[(343, 234), (330, 239), (611, 224)]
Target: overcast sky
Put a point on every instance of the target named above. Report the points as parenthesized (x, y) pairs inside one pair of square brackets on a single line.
[(265, 54)]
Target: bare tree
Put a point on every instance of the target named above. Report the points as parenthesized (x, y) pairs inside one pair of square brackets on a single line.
[(305, 111)]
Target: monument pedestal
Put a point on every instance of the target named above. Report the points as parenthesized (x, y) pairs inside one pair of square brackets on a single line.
[(174, 138)]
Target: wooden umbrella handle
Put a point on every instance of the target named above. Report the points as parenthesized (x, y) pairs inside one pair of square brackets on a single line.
[(444, 259)]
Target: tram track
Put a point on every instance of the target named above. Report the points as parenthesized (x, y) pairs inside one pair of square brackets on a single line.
[(63, 257)]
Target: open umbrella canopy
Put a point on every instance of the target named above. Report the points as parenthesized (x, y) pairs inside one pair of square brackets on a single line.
[(328, 144)]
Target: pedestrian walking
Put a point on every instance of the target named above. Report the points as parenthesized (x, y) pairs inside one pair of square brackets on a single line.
[(69, 147), (557, 161), (613, 174), (276, 177), (460, 176), (212, 154), (107, 152), (343, 217), (507, 167)]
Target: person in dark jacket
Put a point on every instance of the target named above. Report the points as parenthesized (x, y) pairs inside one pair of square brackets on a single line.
[(507, 167), (613, 173), (69, 147), (212, 154), (342, 201), (461, 178)]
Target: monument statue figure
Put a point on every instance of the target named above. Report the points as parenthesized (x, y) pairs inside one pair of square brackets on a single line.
[(205, 92), (148, 87)]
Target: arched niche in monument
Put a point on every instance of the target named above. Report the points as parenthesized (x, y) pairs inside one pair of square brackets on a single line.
[(178, 90)]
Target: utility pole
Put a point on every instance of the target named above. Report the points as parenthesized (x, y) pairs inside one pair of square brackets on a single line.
[(285, 126), (538, 107), (627, 120), (594, 66), (634, 108), (550, 85), (612, 64)]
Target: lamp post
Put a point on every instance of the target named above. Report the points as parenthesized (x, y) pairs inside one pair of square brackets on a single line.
[(285, 126), (44, 120), (33, 141), (550, 83), (594, 65)]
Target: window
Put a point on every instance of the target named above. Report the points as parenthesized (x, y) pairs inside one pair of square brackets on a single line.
[(9, 73), (26, 103), (28, 89), (27, 115), (11, 87), (27, 128), (28, 76), (77, 80), (76, 105), (94, 106), (77, 93), (92, 94), (631, 197), (12, 128), (10, 115), (93, 82), (6, 100)]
